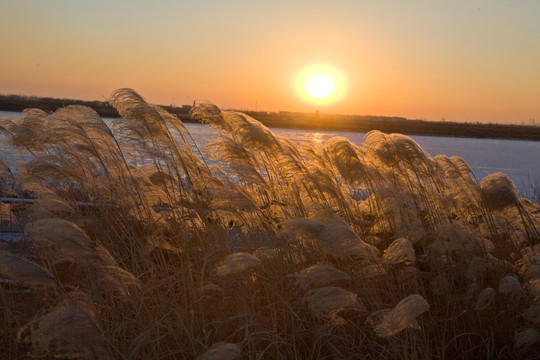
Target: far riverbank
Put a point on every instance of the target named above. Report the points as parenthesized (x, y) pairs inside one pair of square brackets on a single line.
[(311, 121)]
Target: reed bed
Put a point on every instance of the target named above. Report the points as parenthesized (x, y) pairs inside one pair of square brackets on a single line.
[(137, 247)]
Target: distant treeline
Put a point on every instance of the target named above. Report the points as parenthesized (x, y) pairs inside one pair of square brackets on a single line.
[(362, 123), (103, 108), (315, 121)]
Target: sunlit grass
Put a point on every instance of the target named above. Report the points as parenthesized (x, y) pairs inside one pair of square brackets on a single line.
[(138, 248)]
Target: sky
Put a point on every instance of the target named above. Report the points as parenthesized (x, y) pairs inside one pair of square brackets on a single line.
[(462, 60)]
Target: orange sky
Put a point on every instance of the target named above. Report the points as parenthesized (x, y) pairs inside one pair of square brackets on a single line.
[(463, 60)]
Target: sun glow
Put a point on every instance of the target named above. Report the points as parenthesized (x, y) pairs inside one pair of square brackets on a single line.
[(320, 84)]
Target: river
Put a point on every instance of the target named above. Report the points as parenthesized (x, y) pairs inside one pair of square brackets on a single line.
[(519, 159)]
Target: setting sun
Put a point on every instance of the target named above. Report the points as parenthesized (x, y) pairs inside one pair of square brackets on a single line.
[(320, 84)]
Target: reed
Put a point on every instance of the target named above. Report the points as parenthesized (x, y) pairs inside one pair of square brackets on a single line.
[(139, 247)]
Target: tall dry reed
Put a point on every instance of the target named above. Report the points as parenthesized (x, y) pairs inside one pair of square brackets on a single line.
[(139, 247)]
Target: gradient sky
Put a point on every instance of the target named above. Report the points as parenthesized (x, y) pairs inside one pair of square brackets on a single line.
[(465, 60)]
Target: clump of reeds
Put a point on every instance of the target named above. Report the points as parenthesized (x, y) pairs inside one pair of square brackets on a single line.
[(140, 247)]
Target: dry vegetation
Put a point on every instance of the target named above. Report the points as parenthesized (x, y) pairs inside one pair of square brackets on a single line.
[(137, 248)]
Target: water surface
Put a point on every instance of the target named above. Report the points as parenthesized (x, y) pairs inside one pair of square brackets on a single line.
[(519, 159)]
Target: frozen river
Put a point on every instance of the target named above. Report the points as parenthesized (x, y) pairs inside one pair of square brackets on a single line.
[(519, 159)]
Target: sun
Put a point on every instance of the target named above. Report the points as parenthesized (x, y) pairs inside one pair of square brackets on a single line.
[(320, 84)]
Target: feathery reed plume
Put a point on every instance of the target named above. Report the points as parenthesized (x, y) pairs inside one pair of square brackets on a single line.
[(456, 240), (379, 145), (157, 175), (395, 150), (248, 131), (461, 165), (347, 160), (48, 168), (221, 351), (329, 300), (371, 271), (336, 239), (269, 254), (328, 217), (153, 243), (237, 263), (252, 133), (529, 265), (302, 229), (210, 288), (499, 191), (232, 199), (81, 127), (50, 208), (117, 281), (342, 241), (238, 159), (509, 285), (402, 316), (16, 268), (39, 190), (144, 133), (317, 275), (28, 132), (60, 240), (318, 186), (132, 107), (209, 113), (400, 251), (485, 299), (68, 331)]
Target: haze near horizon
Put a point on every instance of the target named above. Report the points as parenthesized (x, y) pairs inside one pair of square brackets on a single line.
[(461, 60)]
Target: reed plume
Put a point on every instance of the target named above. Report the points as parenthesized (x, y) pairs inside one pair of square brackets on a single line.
[(237, 263), (402, 316), (317, 275), (329, 300), (68, 331), (16, 268)]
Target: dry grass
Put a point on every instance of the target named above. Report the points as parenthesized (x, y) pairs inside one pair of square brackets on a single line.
[(141, 249)]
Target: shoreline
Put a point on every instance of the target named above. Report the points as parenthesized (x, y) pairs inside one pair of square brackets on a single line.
[(311, 121)]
